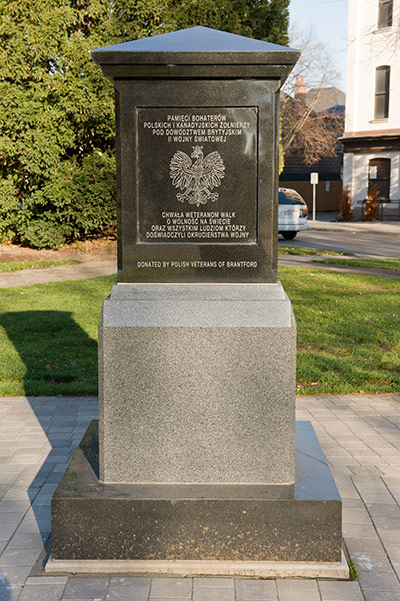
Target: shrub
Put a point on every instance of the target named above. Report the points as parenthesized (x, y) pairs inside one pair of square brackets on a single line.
[(371, 211), (345, 210), (79, 201), (57, 110)]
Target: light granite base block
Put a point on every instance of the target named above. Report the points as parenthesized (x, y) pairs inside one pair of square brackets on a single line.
[(197, 384)]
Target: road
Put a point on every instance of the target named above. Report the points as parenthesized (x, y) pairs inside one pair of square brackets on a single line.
[(360, 243)]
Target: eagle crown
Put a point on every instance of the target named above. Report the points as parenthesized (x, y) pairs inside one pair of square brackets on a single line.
[(197, 152)]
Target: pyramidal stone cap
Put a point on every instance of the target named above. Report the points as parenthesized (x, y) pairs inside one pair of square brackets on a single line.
[(191, 52)]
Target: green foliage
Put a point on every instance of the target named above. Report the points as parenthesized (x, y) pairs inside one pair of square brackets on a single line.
[(261, 19), (78, 201), (353, 569), (56, 123), (57, 167)]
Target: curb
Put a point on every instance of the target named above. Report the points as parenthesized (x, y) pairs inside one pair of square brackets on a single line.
[(376, 227)]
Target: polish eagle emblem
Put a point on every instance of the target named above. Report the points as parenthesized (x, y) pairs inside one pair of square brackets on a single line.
[(197, 178)]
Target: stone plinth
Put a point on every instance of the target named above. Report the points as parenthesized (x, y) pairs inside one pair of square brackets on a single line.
[(197, 384), (183, 522)]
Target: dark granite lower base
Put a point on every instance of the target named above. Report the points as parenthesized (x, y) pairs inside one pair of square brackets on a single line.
[(92, 520)]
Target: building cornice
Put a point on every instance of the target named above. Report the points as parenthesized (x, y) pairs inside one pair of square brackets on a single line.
[(371, 133), (367, 142)]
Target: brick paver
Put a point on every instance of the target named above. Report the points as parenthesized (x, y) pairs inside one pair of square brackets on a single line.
[(360, 435), (298, 590)]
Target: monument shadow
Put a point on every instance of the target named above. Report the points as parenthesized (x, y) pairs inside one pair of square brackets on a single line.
[(62, 423)]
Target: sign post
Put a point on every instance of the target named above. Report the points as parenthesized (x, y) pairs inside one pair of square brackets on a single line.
[(314, 182)]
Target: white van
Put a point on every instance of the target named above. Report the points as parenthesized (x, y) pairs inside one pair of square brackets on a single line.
[(292, 213)]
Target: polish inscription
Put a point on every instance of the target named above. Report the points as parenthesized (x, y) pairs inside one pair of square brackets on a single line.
[(197, 175)]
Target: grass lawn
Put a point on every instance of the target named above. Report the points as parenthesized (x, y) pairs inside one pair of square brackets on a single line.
[(348, 334), (48, 336), (348, 331), (300, 250), (19, 265), (391, 264)]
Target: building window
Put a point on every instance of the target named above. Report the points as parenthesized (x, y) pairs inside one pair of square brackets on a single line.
[(382, 81), (379, 179), (385, 13)]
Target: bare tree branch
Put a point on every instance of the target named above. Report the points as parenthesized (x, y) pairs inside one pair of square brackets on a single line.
[(305, 129)]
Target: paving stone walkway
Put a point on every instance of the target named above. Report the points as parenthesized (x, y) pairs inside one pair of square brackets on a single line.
[(359, 434)]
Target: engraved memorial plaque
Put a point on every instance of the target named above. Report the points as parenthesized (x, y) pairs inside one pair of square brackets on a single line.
[(197, 181), (197, 175)]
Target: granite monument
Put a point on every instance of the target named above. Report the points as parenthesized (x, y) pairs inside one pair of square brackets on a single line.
[(193, 459)]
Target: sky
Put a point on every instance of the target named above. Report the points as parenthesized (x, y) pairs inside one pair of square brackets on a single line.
[(329, 21)]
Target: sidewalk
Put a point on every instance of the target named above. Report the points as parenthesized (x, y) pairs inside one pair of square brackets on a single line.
[(310, 262), (27, 277), (326, 222), (360, 435)]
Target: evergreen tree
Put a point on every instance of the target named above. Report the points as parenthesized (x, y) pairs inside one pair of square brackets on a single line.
[(57, 166), (262, 19)]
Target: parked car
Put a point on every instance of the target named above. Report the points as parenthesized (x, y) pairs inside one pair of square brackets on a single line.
[(292, 213)]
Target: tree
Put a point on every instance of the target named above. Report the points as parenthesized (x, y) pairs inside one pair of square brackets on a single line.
[(56, 132), (262, 19), (305, 129), (57, 111)]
